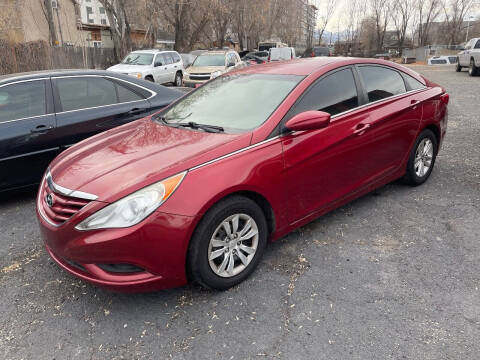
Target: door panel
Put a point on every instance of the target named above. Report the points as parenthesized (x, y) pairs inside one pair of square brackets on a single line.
[(26, 132), (160, 71), (78, 124), (324, 165)]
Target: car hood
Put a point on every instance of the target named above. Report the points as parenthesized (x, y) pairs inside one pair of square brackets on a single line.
[(117, 162), (205, 69), (125, 68)]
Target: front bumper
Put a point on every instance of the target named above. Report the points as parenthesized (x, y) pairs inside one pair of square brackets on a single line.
[(157, 247), (193, 83)]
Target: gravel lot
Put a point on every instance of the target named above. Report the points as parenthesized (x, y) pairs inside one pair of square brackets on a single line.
[(393, 275)]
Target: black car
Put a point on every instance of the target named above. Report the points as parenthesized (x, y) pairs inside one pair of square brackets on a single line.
[(43, 113), (316, 51)]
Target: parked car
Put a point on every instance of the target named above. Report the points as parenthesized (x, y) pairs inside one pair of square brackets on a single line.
[(196, 191), (442, 60), (470, 57), (280, 54), (162, 67), (211, 64), (267, 45), (43, 113), (317, 51), (256, 55)]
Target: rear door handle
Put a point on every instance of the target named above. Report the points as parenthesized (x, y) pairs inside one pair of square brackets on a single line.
[(361, 128), (40, 129), (136, 111)]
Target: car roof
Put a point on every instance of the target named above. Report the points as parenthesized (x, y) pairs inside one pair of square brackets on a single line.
[(151, 51), (308, 66)]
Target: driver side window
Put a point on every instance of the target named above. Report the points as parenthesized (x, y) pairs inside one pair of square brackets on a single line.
[(159, 61)]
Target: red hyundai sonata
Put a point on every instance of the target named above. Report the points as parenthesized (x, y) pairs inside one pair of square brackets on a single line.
[(196, 191)]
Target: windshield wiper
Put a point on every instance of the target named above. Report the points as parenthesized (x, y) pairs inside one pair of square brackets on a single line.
[(204, 127), (167, 120)]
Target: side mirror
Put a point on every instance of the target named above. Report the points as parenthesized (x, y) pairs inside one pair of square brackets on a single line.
[(158, 63), (230, 64), (309, 120)]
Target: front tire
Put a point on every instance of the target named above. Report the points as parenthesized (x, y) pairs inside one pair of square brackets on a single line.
[(149, 78), (458, 68), (473, 70), (227, 244), (422, 158)]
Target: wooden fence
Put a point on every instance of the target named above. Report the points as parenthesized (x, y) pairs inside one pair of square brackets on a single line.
[(38, 55)]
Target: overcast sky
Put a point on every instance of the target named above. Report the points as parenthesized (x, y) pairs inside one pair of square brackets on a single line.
[(337, 21)]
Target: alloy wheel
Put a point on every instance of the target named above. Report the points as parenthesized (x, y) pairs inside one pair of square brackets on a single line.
[(423, 157), (233, 245)]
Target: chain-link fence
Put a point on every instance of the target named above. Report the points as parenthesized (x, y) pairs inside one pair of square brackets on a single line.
[(38, 55)]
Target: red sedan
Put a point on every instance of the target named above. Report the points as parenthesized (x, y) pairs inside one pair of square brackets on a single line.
[(196, 191)]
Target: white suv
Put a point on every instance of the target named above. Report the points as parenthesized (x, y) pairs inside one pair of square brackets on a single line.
[(153, 65), (470, 57)]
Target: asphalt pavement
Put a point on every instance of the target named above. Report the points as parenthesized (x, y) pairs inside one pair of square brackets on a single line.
[(393, 275)]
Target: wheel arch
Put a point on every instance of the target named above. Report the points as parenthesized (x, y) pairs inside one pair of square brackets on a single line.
[(251, 194), (435, 129)]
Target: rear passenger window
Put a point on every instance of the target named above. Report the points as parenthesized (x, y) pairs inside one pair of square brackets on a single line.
[(333, 94), (85, 92), (22, 100), (381, 82), (168, 59), (477, 45), (176, 57), (126, 95), (413, 83)]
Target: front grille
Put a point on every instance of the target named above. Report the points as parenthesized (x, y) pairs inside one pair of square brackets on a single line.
[(200, 77), (57, 207)]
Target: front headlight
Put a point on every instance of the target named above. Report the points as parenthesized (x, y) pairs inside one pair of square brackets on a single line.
[(137, 75), (133, 208), (216, 74)]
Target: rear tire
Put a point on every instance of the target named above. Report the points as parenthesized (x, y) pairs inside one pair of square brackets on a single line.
[(178, 79), (422, 158), (212, 248), (473, 70)]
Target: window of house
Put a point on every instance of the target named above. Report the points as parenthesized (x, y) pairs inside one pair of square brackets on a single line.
[(22, 100), (103, 21), (101, 10), (381, 82), (85, 92), (334, 94)]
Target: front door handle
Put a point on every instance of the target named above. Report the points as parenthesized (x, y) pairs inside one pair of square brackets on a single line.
[(41, 129), (135, 111), (414, 103), (361, 128)]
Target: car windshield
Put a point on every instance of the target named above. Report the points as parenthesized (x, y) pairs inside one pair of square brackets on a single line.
[(138, 59), (236, 102), (210, 60)]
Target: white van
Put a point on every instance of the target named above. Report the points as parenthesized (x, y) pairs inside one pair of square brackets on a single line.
[(279, 54)]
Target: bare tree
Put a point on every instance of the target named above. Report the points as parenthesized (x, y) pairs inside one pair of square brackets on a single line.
[(455, 11), (380, 10), (119, 26), (425, 13), (221, 19), (327, 9), (402, 15)]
